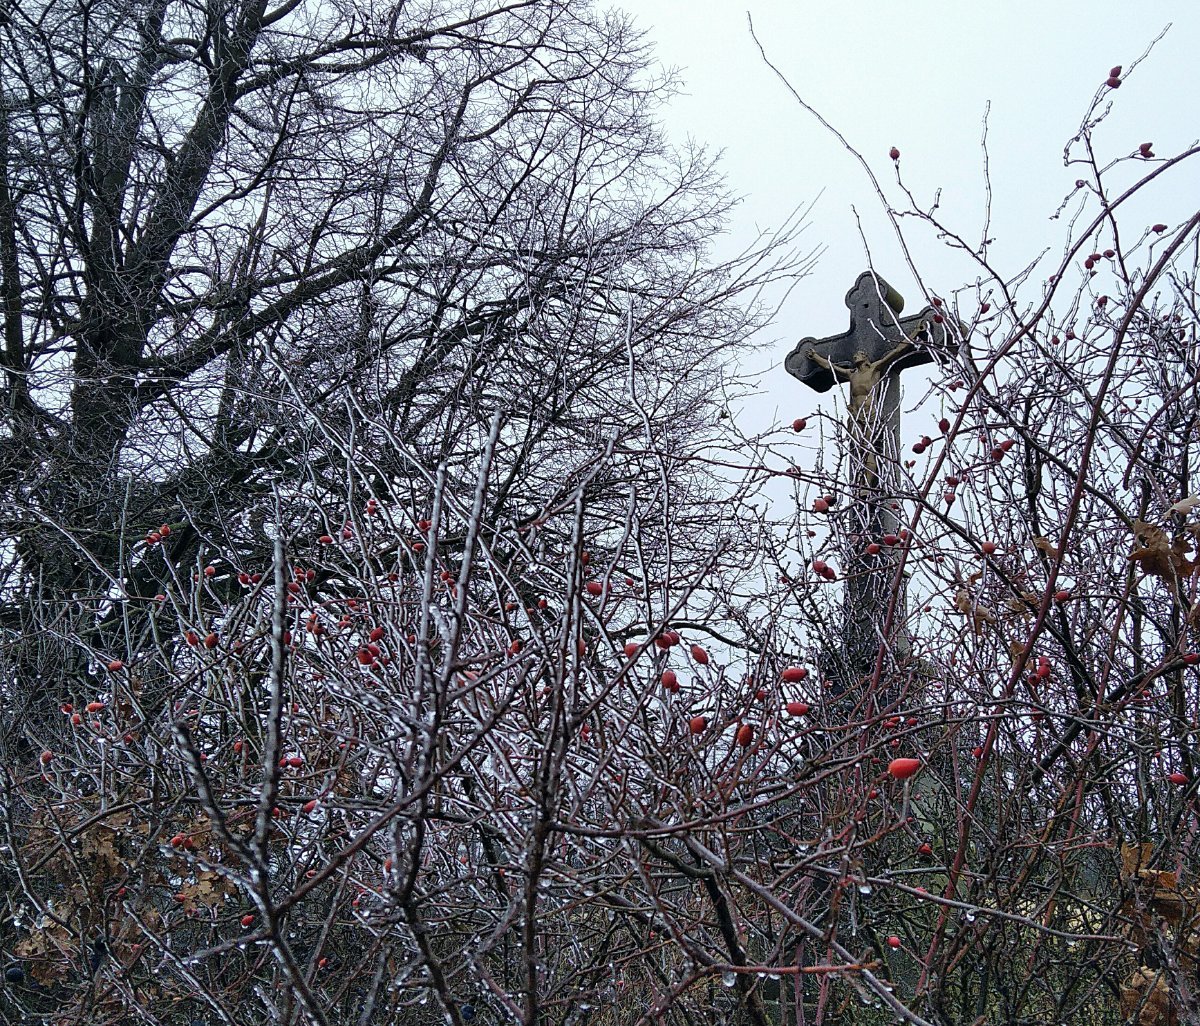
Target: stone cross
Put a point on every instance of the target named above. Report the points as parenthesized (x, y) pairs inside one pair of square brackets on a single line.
[(869, 357), (875, 328)]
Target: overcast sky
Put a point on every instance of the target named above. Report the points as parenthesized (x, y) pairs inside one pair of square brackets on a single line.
[(919, 76)]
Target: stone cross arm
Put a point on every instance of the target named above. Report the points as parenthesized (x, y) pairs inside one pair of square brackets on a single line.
[(876, 329)]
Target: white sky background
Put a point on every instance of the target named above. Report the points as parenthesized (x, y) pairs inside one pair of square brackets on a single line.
[(918, 76)]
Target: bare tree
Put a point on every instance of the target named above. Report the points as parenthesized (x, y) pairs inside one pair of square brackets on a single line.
[(227, 226)]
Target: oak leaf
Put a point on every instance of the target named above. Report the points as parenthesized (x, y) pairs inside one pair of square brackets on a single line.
[(1159, 555)]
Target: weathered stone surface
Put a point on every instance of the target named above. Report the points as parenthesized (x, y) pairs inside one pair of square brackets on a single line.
[(876, 327)]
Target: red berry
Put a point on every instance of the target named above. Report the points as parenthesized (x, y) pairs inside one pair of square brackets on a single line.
[(820, 506), (797, 708), (1192, 658), (893, 941), (799, 424), (1062, 595), (1178, 778), (1113, 82), (977, 751), (902, 769), (1145, 150), (309, 805), (1115, 71), (700, 655), (794, 674), (116, 665), (894, 153), (211, 641), (594, 588), (325, 539), (631, 649), (745, 735), (988, 548), (192, 638), (925, 849), (670, 679), (46, 757), (95, 707), (1159, 228), (248, 919), (697, 724)]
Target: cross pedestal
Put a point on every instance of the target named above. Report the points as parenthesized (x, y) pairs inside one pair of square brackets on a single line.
[(869, 357)]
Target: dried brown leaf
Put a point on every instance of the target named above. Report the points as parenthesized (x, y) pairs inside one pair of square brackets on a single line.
[(969, 606), (1046, 546), (1159, 555)]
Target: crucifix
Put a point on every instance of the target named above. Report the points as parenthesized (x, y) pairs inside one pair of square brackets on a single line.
[(869, 357)]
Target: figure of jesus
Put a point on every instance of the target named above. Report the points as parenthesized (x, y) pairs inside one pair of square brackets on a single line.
[(864, 377)]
